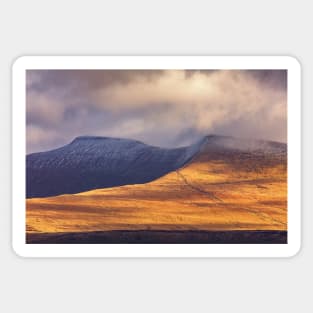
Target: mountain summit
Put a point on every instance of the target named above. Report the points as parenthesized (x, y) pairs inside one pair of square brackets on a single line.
[(90, 162), (98, 162)]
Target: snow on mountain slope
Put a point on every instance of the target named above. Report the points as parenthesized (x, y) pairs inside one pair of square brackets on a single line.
[(98, 162)]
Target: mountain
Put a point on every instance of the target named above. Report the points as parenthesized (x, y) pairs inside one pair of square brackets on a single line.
[(100, 162), (227, 184)]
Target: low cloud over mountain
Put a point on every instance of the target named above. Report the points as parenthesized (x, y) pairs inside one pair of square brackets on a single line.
[(165, 108)]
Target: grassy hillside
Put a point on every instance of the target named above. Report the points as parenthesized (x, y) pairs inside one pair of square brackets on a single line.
[(216, 191)]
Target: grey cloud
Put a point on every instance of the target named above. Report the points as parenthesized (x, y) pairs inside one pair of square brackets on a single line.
[(271, 78), (166, 108), (84, 80)]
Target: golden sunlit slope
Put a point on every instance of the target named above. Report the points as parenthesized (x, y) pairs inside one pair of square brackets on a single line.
[(217, 190)]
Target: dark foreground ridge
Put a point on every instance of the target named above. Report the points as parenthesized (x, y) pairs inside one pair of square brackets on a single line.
[(160, 237)]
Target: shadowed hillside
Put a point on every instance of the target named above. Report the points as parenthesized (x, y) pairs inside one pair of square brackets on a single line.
[(97, 162)]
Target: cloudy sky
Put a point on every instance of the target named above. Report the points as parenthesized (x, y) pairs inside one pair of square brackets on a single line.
[(164, 108)]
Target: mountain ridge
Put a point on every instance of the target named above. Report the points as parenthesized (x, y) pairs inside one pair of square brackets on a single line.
[(99, 162), (93, 162), (222, 187)]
